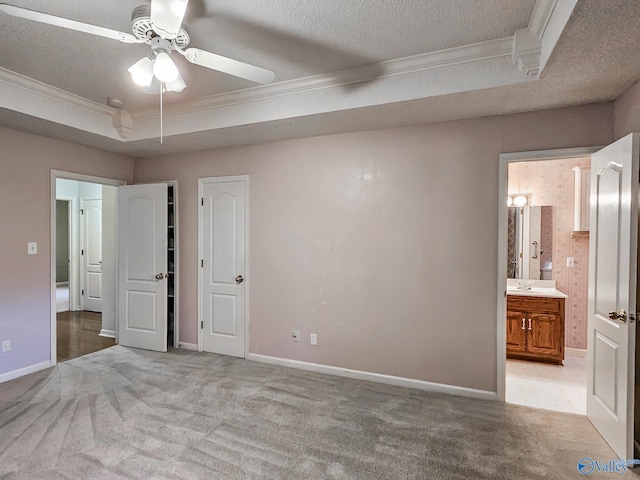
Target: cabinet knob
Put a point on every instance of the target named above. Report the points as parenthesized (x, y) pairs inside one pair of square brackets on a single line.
[(529, 323), (523, 320)]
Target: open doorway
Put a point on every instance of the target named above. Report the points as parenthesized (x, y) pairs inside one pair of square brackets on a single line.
[(547, 283), (83, 266)]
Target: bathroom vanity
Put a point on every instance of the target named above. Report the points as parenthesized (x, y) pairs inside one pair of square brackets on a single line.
[(535, 324)]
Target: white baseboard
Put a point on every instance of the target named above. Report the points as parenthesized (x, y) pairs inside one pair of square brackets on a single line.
[(376, 377), (21, 372), (189, 346), (107, 333), (576, 352)]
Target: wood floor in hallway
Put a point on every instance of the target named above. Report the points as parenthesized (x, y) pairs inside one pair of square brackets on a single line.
[(77, 334)]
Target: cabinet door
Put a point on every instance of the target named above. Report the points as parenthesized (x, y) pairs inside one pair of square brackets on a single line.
[(545, 337), (516, 336)]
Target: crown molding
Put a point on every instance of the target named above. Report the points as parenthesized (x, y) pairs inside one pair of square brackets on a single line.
[(548, 20), (469, 67), (502, 47), (542, 13), (8, 77), (526, 52), (37, 99)]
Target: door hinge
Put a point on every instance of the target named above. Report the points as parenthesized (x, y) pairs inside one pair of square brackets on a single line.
[(82, 292), (202, 263), (202, 201), (81, 252), (201, 324), (82, 211)]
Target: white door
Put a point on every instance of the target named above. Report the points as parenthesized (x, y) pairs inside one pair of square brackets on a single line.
[(142, 266), (223, 224), (91, 254), (612, 292)]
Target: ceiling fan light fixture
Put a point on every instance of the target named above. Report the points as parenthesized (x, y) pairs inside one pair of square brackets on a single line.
[(177, 85), (142, 72), (164, 68)]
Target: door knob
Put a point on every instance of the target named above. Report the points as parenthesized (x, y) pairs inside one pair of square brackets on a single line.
[(159, 276), (239, 279), (621, 315)]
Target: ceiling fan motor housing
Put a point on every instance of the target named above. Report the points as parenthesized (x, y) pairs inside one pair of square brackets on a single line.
[(142, 27)]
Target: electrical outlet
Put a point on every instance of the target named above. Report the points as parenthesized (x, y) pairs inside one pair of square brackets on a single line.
[(571, 262), (296, 335), (6, 346), (314, 339)]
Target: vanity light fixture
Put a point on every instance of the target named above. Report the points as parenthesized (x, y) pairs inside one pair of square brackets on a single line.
[(520, 201), (517, 200)]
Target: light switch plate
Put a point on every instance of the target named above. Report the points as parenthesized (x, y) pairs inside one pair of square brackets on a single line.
[(32, 248)]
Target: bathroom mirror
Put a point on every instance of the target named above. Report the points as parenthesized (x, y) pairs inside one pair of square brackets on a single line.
[(530, 243)]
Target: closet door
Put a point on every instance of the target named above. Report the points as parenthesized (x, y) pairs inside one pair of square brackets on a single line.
[(223, 236), (142, 266)]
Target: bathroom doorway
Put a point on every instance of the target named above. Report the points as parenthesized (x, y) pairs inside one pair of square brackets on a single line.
[(548, 252)]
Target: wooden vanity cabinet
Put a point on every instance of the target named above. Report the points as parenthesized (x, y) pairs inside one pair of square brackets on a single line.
[(535, 328)]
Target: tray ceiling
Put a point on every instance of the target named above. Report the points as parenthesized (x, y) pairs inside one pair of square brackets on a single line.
[(329, 57)]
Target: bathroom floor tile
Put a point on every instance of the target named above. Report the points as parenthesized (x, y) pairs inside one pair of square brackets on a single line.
[(551, 387)]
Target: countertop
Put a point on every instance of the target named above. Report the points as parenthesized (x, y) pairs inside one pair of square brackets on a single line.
[(536, 292)]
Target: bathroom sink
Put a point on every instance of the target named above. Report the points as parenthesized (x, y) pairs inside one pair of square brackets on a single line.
[(536, 292)]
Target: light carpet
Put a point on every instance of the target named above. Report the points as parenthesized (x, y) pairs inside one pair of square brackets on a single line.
[(123, 413)]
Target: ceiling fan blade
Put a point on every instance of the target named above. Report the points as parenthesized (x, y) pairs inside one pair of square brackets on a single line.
[(66, 23), (167, 16), (229, 66)]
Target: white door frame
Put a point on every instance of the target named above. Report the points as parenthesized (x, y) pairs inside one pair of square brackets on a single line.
[(55, 175), (247, 243), (503, 184)]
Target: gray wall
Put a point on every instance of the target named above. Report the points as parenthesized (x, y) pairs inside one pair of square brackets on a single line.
[(382, 242), (25, 193), (627, 112)]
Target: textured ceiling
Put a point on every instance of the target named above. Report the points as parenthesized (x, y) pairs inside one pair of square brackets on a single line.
[(596, 60), (295, 39)]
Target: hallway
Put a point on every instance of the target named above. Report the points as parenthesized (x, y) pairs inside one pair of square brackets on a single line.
[(77, 334)]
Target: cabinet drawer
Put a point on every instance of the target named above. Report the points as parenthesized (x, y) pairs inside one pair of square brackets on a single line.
[(535, 304)]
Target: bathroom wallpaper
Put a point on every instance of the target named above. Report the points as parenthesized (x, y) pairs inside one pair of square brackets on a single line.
[(551, 182)]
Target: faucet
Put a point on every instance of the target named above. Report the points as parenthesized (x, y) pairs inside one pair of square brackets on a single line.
[(524, 285)]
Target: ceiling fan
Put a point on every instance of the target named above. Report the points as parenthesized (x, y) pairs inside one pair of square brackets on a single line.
[(160, 26)]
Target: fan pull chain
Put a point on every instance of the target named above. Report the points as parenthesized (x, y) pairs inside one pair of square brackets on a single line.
[(161, 89)]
